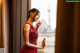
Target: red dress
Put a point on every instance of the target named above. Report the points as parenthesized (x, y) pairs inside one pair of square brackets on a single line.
[(33, 35)]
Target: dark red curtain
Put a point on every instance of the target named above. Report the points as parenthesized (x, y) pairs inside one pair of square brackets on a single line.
[(68, 27)]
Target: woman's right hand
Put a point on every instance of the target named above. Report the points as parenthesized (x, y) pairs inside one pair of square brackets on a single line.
[(43, 43)]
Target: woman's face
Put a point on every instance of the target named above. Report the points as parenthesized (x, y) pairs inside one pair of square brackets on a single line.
[(34, 16)]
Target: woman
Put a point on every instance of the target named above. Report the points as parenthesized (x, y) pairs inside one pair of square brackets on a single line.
[(30, 34)]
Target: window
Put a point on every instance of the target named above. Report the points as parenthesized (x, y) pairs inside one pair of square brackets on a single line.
[(48, 11)]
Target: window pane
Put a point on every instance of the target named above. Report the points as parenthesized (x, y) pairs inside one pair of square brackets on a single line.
[(48, 11)]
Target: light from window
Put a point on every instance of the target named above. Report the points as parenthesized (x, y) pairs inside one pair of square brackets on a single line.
[(48, 11)]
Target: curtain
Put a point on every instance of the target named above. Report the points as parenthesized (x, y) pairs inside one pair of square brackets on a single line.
[(17, 18), (68, 27), (1, 35)]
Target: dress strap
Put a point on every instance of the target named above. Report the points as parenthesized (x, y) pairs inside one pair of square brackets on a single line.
[(31, 25)]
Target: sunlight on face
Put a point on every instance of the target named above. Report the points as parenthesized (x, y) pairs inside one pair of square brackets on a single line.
[(37, 17)]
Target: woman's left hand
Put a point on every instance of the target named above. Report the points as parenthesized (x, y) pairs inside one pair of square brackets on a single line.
[(38, 24)]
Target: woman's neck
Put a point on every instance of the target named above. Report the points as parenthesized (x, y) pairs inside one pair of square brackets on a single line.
[(30, 21)]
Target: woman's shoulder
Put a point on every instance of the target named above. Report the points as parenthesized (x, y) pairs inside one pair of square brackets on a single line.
[(26, 25)]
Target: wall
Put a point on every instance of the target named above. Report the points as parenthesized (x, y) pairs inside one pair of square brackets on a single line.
[(5, 25)]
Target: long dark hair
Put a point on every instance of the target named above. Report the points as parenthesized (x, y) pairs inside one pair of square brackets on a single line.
[(33, 10)]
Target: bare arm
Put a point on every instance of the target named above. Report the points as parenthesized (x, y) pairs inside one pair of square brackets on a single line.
[(26, 37), (38, 24)]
